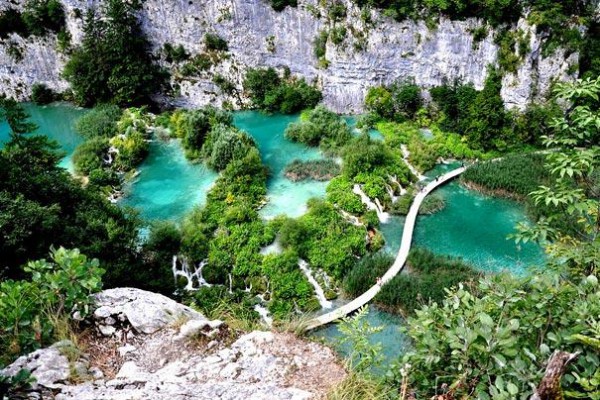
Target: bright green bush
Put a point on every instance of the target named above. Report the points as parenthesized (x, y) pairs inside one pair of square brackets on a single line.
[(365, 273), (339, 193), (399, 101), (506, 330), (57, 289), (225, 144)]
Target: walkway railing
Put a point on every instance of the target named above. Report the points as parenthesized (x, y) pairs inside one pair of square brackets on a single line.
[(407, 235)]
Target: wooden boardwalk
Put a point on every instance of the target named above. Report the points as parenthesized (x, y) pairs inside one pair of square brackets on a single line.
[(407, 235)]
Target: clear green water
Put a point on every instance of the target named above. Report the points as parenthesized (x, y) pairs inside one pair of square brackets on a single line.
[(168, 185), (57, 121)]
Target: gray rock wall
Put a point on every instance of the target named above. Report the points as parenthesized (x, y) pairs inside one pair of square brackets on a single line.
[(390, 51)]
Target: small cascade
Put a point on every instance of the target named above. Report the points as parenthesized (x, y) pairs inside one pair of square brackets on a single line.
[(405, 157), (263, 311), (318, 289), (109, 159), (230, 284), (394, 179), (192, 275), (353, 219), (273, 248), (382, 215)]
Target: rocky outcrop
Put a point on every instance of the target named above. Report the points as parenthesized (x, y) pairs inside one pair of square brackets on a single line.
[(160, 349), (376, 52)]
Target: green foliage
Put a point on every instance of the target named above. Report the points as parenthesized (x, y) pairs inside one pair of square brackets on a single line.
[(324, 239), (236, 309), (512, 176), (163, 242), (214, 42), (320, 44), (339, 193), (290, 288), (44, 16), (271, 93), (16, 386), (493, 343), (41, 94), (226, 144), (338, 34), (365, 273), (175, 54), (42, 205), (279, 5), (320, 127), (101, 121), (113, 64), (57, 288), (193, 127), (430, 277), (574, 192), (89, 155), (319, 170), (131, 142), (356, 331), (398, 102), (11, 21)]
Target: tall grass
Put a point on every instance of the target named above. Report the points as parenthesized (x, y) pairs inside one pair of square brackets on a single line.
[(512, 176)]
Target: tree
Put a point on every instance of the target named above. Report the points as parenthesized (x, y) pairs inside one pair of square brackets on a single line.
[(114, 64), (574, 194)]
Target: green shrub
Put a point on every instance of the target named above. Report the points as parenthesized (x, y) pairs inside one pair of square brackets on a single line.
[(11, 21), (43, 16), (89, 155), (338, 34), (41, 94), (279, 5), (365, 273), (320, 44), (320, 127), (214, 42), (339, 193), (175, 54), (506, 329), (271, 93), (225, 144), (57, 289), (101, 121)]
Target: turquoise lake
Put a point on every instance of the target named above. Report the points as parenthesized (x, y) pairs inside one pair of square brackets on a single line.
[(471, 226)]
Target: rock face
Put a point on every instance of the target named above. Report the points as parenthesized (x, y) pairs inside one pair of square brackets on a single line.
[(176, 353), (372, 53)]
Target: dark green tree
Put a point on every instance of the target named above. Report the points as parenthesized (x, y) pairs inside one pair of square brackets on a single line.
[(113, 64)]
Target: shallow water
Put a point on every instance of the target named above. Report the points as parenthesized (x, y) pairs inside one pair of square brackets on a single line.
[(168, 185), (57, 121)]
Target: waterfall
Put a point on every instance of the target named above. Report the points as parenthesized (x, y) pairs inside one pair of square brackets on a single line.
[(405, 156), (263, 311), (109, 155), (382, 215), (230, 284), (192, 275), (353, 219), (318, 289)]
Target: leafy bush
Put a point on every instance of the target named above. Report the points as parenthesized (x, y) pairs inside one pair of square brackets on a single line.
[(271, 93), (365, 273), (226, 144), (41, 94), (399, 101), (89, 155), (101, 121), (57, 288), (339, 193), (320, 44), (320, 127), (11, 21), (506, 330), (175, 54), (214, 42)]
